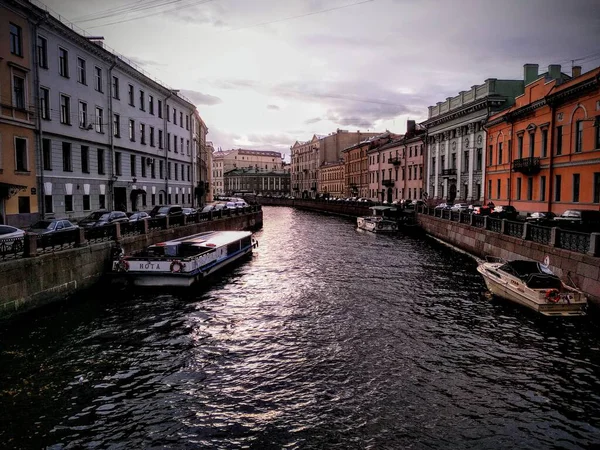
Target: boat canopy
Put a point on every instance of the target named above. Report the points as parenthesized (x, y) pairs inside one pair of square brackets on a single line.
[(534, 274)]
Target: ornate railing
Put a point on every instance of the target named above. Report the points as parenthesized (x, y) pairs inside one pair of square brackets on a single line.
[(541, 235), (574, 241), (11, 248), (527, 166), (465, 218), (103, 233), (514, 228), (132, 228), (56, 241), (395, 160), (479, 221), (157, 223), (388, 182), (448, 172), (494, 224), (454, 216)]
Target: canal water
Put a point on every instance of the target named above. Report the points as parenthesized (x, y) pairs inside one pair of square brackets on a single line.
[(328, 338)]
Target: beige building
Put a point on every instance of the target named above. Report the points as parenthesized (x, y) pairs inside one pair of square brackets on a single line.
[(331, 179), (202, 156), (225, 161), (209, 173)]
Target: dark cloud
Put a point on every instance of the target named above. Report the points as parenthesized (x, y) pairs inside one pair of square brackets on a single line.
[(273, 107), (198, 98)]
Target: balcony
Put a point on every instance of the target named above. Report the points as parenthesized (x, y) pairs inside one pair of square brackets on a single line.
[(388, 183), (395, 161), (448, 172), (527, 166)]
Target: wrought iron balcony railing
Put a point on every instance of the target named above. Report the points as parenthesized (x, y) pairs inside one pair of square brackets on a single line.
[(395, 161), (448, 172), (527, 166), (387, 183)]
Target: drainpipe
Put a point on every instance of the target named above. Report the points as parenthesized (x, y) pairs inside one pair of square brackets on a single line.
[(551, 149), (166, 146), (38, 117), (111, 137)]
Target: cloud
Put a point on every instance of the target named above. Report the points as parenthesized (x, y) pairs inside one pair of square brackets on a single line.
[(273, 107), (198, 98), (313, 120), (146, 62)]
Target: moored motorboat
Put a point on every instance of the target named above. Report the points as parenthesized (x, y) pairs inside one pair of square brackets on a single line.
[(383, 220), (183, 261), (533, 285)]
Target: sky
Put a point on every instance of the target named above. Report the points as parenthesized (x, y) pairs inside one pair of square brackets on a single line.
[(265, 73)]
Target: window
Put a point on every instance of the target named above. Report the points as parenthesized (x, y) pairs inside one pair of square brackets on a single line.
[(596, 187), (151, 136), (66, 151), (86, 202), (520, 146), (153, 199), (85, 159), (181, 145), (81, 78), (142, 101), (45, 103), (24, 205), (99, 120), (174, 116), (543, 188), (151, 104), (491, 152), (98, 84), (466, 161), (529, 188), (160, 138), (479, 159), (152, 169), (557, 188), (531, 144), (63, 62), (518, 188), (47, 154), (160, 170), (143, 133), (180, 119), (500, 153), (188, 173), (100, 161), (187, 122), (16, 40), (132, 130), (159, 108), (102, 201), (133, 168), (65, 109), (115, 88), (176, 172), (143, 166), (18, 92), (131, 99), (117, 125), (68, 204), (168, 108), (187, 146), (42, 52), (544, 143), (559, 139), (21, 155), (498, 187), (118, 166), (175, 143), (82, 114), (48, 204), (579, 136), (183, 173), (169, 170), (576, 184), (169, 141)]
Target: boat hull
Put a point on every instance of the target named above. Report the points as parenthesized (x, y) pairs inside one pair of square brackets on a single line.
[(376, 226), (519, 293)]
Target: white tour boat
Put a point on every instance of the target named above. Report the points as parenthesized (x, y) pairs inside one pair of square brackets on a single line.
[(385, 219), (181, 262), (533, 285)]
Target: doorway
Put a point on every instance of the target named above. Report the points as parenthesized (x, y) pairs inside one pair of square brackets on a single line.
[(121, 199)]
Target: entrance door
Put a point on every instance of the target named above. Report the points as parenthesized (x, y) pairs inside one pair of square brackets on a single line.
[(121, 199), (389, 195), (452, 193)]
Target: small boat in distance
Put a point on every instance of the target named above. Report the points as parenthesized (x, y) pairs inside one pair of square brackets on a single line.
[(533, 285), (385, 219), (183, 261)]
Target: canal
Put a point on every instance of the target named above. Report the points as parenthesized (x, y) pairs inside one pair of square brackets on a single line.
[(327, 338)]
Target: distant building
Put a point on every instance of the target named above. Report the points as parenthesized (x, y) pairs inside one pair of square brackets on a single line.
[(456, 139), (257, 181), (331, 179), (542, 153)]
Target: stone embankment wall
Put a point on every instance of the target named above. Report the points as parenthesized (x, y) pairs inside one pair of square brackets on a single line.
[(29, 282), (583, 270)]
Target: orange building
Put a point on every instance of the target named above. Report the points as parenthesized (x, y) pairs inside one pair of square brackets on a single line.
[(18, 185), (543, 152)]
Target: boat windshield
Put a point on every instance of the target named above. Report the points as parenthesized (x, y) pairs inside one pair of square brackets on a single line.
[(534, 274)]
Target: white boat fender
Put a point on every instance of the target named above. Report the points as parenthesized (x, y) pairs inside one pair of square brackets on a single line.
[(177, 266)]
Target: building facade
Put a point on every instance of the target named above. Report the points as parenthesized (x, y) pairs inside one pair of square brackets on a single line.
[(257, 181), (456, 139), (542, 153), (331, 179), (305, 164), (202, 160), (18, 183)]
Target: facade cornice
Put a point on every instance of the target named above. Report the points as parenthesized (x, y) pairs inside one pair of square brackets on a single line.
[(460, 112)]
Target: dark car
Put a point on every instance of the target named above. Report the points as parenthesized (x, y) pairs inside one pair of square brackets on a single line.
[(52, 226), (139, 215), (90, 221), (167, 211), (188, 211), (540, 217), (481, 210), (580, 220), (105, 219), (508, 212)]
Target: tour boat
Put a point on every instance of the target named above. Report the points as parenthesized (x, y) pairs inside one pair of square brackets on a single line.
[(385, 219), (533, 285), (181, 262)]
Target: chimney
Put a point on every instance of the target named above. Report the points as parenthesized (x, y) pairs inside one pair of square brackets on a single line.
[(576, 71), (530, 73), (410, 126), (554, 71)]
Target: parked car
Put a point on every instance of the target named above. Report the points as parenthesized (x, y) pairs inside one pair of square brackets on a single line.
[(508, 212), (444, 206), (579, 219), (241, 204), (459, 207), (52, 226), (481, 210), (111, 217), (12, 237), (170, 211), (139, 215), (188, 211), (540, 218), (90, 221)]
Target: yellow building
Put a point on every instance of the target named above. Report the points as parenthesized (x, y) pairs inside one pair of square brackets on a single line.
[(331, 179), (18, 185)]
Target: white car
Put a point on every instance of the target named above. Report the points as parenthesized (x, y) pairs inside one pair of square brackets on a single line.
[(11, 238)]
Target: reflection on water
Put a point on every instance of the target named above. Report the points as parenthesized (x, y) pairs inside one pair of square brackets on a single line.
[(326, 338)]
